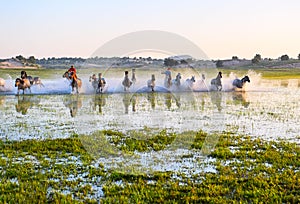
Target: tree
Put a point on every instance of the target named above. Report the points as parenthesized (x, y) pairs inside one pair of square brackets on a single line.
[(219, 63), (256, 59), (21, 58), (31, 60), (183, 61), (299, 57), (284, 57), (170, 62), (235, 58)]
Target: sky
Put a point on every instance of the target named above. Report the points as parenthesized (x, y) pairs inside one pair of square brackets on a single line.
[(221, 28)]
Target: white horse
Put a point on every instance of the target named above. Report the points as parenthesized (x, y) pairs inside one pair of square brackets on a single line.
[(35, 81), (151, 82), (94, 81), (133, 78), (168, 78), (176, 81), (190, 82), (126, 82), (217, 82)]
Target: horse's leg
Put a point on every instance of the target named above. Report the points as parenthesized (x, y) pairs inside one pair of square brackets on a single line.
[(77, 88)]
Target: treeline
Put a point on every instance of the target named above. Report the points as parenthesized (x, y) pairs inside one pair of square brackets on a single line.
[(255, 60), (30, 61), (61, 60)]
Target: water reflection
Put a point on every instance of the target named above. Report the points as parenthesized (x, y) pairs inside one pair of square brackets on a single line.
[(74, 103), (241, 98), (25, 102), (178, 111), (129, 99), (216, 99), (99, 101), (151, 97), (2, 100), (170, 98)]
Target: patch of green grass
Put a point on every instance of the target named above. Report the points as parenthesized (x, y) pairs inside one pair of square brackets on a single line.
[(247, 170)]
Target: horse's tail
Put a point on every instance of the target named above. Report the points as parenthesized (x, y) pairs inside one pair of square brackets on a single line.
[(79, 82)]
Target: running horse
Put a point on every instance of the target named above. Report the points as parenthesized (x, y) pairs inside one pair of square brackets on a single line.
[(126, 82), (151, 82), (75, 83), (239, 83), (176, 81), (217, 82), (22, 84), (168, 78), (101, 84), (94, 81), (133, 77), (190, 82), (32, 80)]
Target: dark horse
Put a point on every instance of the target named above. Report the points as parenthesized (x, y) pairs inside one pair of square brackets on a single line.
[(32, 80), (217, 82), (75, 83), (239, 83)]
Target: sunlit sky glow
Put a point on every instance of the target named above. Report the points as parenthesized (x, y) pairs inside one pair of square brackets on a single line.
[(221, 28)]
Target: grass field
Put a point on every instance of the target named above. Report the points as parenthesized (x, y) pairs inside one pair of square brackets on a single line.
[(244, 170), (267, 73)]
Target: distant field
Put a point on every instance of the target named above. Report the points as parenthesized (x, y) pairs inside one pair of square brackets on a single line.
[(268, 73)]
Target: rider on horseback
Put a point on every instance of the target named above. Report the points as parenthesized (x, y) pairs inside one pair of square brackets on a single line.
[(101, 83), (72, 74)]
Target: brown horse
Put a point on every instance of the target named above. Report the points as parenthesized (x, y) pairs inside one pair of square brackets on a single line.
[(32, 80), (22, 84), (75, 83)]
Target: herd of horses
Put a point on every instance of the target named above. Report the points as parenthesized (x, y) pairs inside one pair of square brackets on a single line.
[(25, 81)]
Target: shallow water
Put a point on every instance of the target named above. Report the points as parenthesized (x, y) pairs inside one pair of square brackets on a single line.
[(266, 108), (269, 114)]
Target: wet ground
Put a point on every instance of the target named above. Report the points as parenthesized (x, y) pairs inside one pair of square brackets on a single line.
[(269, 114)]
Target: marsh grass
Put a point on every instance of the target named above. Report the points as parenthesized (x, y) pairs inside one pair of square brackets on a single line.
[(63, 171)]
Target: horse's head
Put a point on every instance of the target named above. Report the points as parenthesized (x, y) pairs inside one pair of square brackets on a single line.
[(18, 82), (246, 79), (23, 74), (193, 79), (219, 75), (93, 78), (65, 75), (153, 77)]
